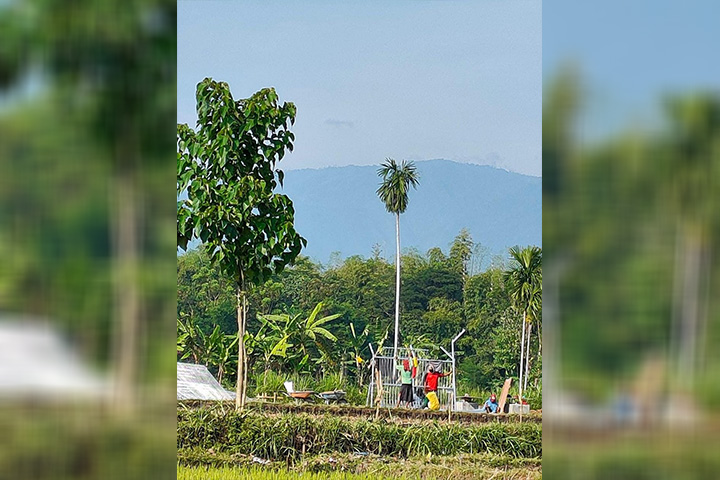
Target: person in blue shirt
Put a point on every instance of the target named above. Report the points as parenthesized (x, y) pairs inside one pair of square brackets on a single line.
[(491, 404)]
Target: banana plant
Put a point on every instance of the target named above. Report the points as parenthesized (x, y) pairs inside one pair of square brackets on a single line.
[(359, 343), (304, 333), (190, 339)]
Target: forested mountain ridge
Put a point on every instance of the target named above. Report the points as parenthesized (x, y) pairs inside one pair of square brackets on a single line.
[(337, 209)]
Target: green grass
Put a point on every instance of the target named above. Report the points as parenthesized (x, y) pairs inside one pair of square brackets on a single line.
[(342, 466), (289, 437), (234, 473)]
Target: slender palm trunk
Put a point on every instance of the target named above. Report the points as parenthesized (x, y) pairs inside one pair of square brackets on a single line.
[(539, 350), (527, 357), (397, 286), (522, 357)]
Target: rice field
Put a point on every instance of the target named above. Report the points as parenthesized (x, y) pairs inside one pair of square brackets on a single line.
[(233, 473), (460, 467)]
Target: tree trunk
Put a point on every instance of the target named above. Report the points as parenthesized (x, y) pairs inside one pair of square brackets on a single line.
[(240, 385), (397, 287), (242, 341), (125, 288), (522, 357), (527, 357)]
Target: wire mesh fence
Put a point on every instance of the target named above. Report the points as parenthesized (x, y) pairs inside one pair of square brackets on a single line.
[(388, 394)]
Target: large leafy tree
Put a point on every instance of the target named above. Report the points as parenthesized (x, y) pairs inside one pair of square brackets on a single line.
[(396, 182), (524, 280), (227, 168)]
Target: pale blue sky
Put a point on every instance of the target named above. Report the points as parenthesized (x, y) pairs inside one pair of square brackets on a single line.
[(460, 80), (630, 53)]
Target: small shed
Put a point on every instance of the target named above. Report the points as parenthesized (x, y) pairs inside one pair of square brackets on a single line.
[(195, 382)]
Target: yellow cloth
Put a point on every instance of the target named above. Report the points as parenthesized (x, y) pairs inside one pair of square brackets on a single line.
[(415, 364), (433, 401)]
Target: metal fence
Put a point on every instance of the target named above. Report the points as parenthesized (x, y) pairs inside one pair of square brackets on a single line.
[(382, 361)]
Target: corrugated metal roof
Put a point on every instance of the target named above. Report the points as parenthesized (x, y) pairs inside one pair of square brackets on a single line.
[(195, 382)]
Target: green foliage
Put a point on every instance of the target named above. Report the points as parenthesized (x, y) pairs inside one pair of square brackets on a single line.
[(524, 279), (227, 169), (461, 251), (350, 466), (359, 293), (355, 395), (288, 436), (396, 182), (301, 382), (269, 382), (230, 473), (330, 382), (204, 293), (216, 350), (292, 338)]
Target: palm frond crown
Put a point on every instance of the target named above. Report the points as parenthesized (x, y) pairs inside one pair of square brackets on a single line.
[(396, 182)]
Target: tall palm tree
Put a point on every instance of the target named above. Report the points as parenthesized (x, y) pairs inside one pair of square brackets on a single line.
[(524, 280), (393, 191)]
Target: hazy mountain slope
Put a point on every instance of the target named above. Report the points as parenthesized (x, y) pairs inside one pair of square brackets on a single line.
[(337, 209)]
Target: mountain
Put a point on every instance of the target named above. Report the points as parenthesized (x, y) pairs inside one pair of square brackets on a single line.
[(337, 209)]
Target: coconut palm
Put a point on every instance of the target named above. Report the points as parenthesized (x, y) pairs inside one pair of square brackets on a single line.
[(524, 281), (393, 191)]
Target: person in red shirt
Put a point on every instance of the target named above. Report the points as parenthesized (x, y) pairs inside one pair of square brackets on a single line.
[(431, 382)]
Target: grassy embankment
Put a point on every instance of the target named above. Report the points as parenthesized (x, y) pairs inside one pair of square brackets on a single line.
[(232, 445)]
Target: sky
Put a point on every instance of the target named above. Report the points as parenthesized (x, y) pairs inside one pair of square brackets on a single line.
[(415, 80), (630, 54)]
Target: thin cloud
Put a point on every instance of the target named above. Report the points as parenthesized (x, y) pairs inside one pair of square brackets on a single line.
[(339, 123)]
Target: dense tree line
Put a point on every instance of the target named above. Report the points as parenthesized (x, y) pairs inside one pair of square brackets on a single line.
[(440, 296)]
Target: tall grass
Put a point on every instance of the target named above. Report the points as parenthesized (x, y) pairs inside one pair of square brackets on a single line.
[(301, 382), (290, 436), (268, 383), (272, 382), (332, 381)]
